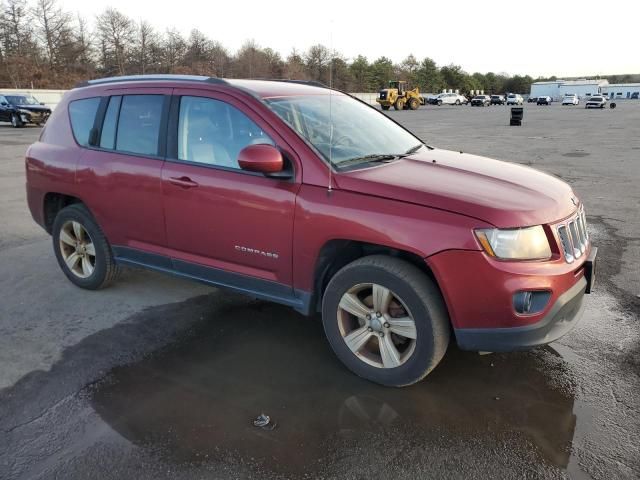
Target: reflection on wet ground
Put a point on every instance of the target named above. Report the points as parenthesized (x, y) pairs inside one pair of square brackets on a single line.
[(195, 400)]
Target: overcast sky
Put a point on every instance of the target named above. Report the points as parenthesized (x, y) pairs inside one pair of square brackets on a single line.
[(538, 37)]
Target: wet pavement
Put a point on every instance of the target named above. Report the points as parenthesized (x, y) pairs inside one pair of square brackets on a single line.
[(157, 383)]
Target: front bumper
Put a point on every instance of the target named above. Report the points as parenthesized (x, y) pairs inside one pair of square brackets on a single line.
[(480, 294), (562, 317)]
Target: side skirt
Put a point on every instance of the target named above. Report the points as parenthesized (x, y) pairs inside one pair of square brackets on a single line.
[(299, 300)]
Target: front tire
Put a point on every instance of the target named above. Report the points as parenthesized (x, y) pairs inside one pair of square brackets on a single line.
[(414, 104), (82, 250), (16, 121), (385, 107), (385, 320)]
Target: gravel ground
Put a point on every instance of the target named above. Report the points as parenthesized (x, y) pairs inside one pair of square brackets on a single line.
[(160, 378)]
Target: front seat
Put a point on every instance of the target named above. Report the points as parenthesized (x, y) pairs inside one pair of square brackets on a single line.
[(203, 145)]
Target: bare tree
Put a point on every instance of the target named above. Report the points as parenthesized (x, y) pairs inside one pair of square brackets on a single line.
[(116, 33), (174, 48), (146, 40), (83, 44), (54, 29)]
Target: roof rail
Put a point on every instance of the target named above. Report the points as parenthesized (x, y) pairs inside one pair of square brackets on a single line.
[(311, 83), (146, 78)]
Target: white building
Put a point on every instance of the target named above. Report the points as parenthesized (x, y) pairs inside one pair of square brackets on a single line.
[(546, 89), (622, 90), (559, 88), (582, 88)]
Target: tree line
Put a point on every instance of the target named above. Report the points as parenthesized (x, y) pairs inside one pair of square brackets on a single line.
[(44, 46)]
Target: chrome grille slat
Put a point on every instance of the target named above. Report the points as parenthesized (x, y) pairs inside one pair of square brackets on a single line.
[(573, 236), (575, 239)]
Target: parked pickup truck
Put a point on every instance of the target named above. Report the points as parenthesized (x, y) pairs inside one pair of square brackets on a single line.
[(256, 186)]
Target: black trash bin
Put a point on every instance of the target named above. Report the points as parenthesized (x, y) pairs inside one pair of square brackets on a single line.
[(516, 116)]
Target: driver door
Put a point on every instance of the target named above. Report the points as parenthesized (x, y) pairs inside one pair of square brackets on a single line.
[(223, 223)]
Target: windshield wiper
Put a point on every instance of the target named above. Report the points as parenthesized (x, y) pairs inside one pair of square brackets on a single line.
[(372, 158), (414, 149)]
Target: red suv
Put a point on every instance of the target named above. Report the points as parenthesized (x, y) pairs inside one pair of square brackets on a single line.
[(295, 193)]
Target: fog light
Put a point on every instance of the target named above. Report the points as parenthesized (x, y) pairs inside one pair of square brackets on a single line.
[(522, 302), (529, 302)]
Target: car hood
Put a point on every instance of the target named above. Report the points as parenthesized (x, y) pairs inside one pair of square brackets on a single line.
[(500, 193), (34, 108)]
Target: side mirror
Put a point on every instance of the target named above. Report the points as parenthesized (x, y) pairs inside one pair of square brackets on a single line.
[(4, 104), (263, 158)]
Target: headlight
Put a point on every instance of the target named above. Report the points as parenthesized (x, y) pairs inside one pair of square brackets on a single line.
[(515, 244)]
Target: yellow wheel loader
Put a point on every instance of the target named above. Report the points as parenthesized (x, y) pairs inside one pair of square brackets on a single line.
[(400, 97)]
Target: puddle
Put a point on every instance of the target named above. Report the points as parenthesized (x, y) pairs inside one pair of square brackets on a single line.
[(195, 400), (576, 154)]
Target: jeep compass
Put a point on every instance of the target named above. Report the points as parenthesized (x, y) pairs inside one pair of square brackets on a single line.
[(303, 195)]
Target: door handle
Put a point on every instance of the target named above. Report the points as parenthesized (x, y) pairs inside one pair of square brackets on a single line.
[(184, 182)]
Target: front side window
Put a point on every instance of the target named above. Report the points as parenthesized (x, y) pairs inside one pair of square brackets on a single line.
[(82, 114), (139, 124), (212, 132), (359, 131)]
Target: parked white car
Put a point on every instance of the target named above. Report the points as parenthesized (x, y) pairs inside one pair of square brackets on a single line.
[(597, 101), (514, 99), (449, 99), (571, 99)]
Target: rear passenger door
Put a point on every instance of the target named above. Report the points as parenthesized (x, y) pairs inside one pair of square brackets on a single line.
[(120, 171), (223, 223)]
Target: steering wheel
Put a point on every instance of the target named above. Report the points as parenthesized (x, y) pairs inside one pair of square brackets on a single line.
[(345, 141)]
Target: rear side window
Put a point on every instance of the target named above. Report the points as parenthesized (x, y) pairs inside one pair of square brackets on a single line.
[(139, 124), (82, 114)]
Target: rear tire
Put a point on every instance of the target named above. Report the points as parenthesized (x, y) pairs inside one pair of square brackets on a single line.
[(414, 324), (399, 105), (82, 250), (439, 103)]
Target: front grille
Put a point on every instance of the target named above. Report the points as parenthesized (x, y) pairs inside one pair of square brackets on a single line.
[(573, 235)]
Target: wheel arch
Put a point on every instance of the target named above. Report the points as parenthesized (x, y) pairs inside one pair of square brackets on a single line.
[(52, 203), (337, 253)]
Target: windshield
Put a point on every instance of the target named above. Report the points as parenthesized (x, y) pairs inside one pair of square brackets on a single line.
[(359, 132), (22, 100), (511, 95), (596, 99)]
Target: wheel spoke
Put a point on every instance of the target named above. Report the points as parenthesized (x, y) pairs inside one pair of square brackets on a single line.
[(381, 298), (78, 231), (352, 304), (72, 260), (90, 249), (87, 268), (405, 327), (66, 238), (356, 339), (388, 352)]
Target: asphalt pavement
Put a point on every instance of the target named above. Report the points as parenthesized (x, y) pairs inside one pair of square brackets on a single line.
[(158, 378)]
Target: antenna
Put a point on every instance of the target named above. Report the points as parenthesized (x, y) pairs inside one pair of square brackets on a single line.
[(329, 190)]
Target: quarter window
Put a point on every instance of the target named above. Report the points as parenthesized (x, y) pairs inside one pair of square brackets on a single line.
[(139, 124), (212, 132), (82, 114)]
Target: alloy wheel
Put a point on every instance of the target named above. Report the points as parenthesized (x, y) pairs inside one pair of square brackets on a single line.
[(77, 249), (376, 325)]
